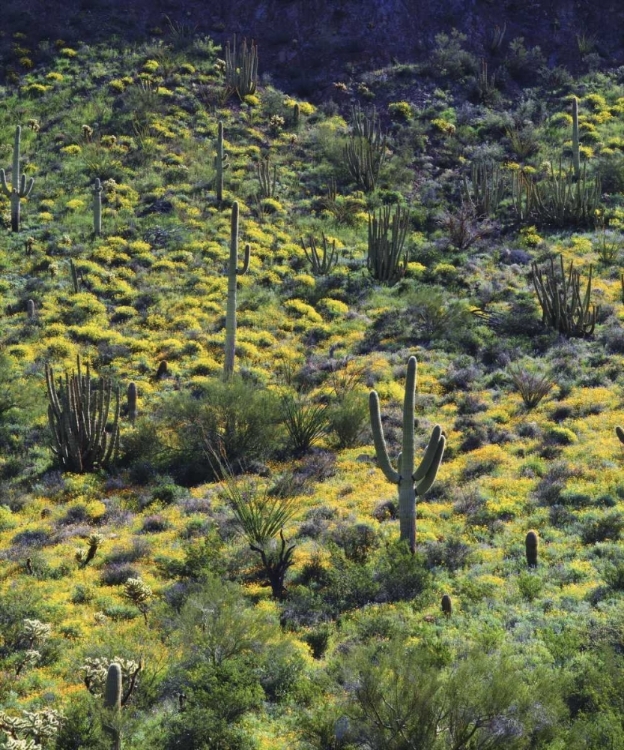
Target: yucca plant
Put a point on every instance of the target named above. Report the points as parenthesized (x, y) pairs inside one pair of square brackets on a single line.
[(305, 421), (261, 519)]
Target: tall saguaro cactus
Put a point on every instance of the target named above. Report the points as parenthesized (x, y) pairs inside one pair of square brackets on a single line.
[(576, 149), (411, 482), (112, 701), (220, 162), (20, 187), (233, 272), (97, 207)]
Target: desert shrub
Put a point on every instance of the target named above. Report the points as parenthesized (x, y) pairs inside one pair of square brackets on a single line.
[(155, 525), (600, 528), (452, 554), (348, 417), (401, 575), (118, 574), (233, 423), (552, 484), (357, 541)]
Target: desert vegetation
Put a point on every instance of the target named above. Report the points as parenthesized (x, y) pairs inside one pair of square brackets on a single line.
[(309, 413)]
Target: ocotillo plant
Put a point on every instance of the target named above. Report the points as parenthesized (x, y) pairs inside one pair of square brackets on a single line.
[(78, 415), (97, 207), (233, 273), (576, 149), (411, 482), (531, 544), (20, 187), (220, 162)]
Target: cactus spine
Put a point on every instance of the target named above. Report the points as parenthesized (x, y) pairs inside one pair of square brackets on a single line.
[(220, 162), (233, 272), (97, 207), (411, 482), (112, 702), (576, 149), (20, 187), (531, 544)]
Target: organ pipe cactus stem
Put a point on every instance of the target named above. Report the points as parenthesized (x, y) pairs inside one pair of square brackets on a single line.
[(233, 272), (97, 207), (531, 544), (20, 187), (411, 482), (576, 149)]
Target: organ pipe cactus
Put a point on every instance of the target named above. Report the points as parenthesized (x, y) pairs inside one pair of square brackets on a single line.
[(564, 308), (387, 230), (233, 273), (241, 67), (20, 187), (411, 481), (97, 207), (78, 414)]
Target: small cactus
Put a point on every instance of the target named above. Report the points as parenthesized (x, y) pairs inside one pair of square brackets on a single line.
[(447, 605), (30, 309), (531, 545), (620, 433), (163, 370)]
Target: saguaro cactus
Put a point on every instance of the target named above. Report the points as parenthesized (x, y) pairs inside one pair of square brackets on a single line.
[(112, 702), (131, 399), (20, 187), (576, 149), (233, 273), (531, 545), (220, 162), (97, 207), (411, 482)]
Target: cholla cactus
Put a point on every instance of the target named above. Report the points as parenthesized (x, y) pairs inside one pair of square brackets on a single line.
[(28, 731), (26, 660), (139, 593), (84, 557), (35, 632), (96, 672)]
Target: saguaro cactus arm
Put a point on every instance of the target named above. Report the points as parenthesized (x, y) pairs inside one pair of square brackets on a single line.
[(381, 449)]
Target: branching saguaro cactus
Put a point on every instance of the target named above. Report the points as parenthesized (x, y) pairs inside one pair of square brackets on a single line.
[(365, 151), (78, 414), (563, 307), (386, 260), (233, 273), (241, 67), (20, 187), (97, 207), (411, 482), (221, 164)]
